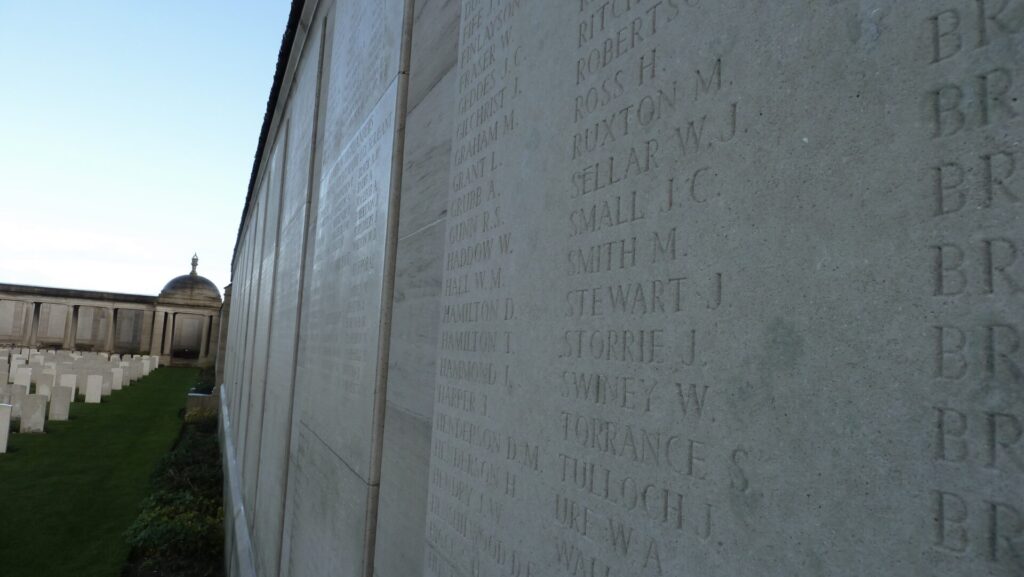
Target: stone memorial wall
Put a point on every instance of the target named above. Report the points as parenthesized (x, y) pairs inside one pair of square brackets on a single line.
[(633, 287), (314, 403)]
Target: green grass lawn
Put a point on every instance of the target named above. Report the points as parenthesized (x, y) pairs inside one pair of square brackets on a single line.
[(67, 496)]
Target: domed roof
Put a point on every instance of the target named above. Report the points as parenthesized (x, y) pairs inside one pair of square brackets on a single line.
[(190, 289)]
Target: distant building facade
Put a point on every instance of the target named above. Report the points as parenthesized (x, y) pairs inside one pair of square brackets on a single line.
[(181, 324)]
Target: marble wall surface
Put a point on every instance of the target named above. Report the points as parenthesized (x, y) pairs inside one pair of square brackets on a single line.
[(634, 287), (315, 267)]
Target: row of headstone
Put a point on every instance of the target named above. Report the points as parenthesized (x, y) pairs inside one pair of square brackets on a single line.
[(36, 386)]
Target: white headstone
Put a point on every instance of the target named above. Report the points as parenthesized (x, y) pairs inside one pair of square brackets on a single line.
[(18, 393), (33, 414), (70, 381), (94, 389), (5, 426), (108, 379), (60, 403), (116, 378), (23, 377), (47, 380)]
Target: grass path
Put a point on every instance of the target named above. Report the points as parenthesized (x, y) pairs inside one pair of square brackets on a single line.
[(67, 497)]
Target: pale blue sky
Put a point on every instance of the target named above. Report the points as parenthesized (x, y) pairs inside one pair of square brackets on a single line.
[(127, 132)]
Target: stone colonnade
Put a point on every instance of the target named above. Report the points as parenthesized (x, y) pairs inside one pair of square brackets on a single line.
[(165, 326), (120, 323)]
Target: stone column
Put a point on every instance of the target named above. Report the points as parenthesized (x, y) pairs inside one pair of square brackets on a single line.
[(26, 324), (111, 321), (74, 328), (158, 333), (33, 334), (94, 328), (169, 333), (212, 346), (203, 340), (68, 320), (146, 333)]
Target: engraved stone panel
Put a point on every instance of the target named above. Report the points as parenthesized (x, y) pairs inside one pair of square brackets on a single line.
[(264, 299), (252, 296), (268, 516), (401, 520), (365, 55), (732, 289), (242, 314), (344, 303), (336, 428)]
